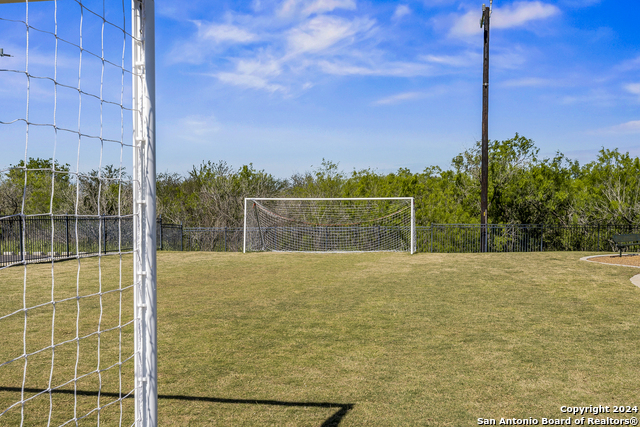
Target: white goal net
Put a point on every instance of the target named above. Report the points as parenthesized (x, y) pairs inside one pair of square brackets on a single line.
[(329, 224), (77, 213)]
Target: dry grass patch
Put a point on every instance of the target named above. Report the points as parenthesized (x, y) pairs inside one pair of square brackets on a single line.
[(630, 260), (106, 302)]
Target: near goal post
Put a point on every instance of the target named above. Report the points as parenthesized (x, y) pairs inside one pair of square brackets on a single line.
[(77, 119), (365, 224)]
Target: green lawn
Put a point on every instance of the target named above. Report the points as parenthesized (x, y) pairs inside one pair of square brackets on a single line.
[(270, 339)]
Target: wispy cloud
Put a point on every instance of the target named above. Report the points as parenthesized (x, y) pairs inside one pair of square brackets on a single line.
[(305, 8), (210, 38), (400, 12), (520, 13), (398, 98), (389, 69), (220, 33), (322, 32), (464, 59), (517, 14), (255, 73), (631, 127), (633, 88), (630, 64), (531, 82), (286, 46)]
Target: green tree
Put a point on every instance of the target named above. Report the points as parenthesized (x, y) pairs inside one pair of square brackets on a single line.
[(216, 192), (613, 184), (326, 180), (106, 191), (37, 187)]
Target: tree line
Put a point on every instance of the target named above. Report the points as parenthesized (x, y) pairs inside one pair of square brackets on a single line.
[(523, 189)]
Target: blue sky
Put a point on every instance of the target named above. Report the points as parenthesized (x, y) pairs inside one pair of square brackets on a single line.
[(385, 85)]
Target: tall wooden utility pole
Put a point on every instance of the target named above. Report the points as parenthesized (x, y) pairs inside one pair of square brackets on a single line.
[(484, 178)]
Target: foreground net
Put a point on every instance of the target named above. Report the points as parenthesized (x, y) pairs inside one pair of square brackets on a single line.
[(329, 225), (75, 308)]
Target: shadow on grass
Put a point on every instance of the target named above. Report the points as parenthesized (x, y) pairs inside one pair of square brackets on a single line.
[(333, 421)]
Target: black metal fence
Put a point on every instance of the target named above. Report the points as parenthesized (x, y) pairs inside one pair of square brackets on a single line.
[(215, 239), (46, 237), (447, 238), (454, 238), (40, 238)]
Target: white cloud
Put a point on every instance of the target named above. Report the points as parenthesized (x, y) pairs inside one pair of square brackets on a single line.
[(210, 37), (287, 46), (519, 13), (220, 33), (263, 67), (304, 8), (322, 6), (631, 127), (633, 88), (466, 25), (398, 98), (249, 81), (255, 73), (392, 69), (510, 16), (630, 65), (322, 32), (530, 82), (400, 12), (463, 60)]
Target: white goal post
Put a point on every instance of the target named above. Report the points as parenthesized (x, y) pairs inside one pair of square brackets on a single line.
[(357, 224), (79, 340)]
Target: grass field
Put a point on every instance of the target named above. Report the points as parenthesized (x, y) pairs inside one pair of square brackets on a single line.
[(360, 339)]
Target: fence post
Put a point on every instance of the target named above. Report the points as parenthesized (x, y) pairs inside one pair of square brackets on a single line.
[(225, 238), (159, 224), (104, 222), (181, 238), (541, 236), (431, 239), (22, 227), (66, 217), (598, 237)]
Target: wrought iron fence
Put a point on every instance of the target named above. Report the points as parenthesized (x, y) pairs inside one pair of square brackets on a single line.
[(454, 238), (215, 239), (46, 237), (446, 238)]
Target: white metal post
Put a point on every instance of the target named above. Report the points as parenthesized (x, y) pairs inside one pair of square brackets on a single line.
[(144, 165), (244, 242), (413, 227)]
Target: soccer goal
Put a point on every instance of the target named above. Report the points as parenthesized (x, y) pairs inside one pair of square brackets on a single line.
[(77, 213), (329, 224)]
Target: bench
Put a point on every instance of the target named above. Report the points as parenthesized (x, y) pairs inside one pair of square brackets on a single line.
[(622, 241)]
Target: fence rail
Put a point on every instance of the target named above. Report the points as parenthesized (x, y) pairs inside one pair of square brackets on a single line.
[(462, 238), (454, 238), (58, 237), (46, 237)]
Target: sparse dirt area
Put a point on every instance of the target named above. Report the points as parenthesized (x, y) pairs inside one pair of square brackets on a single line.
[(632, 260)]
